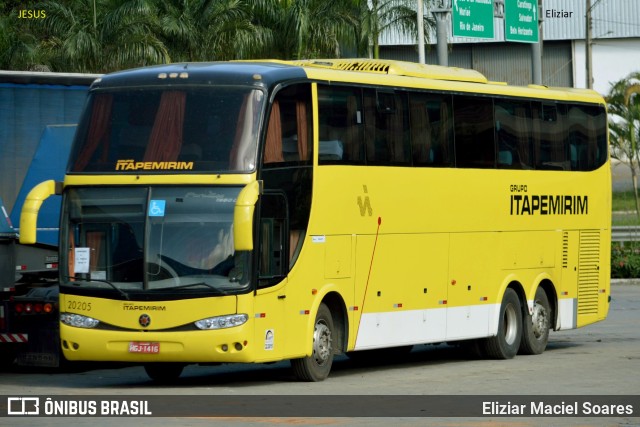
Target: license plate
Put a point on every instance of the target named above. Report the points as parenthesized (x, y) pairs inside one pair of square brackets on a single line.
[(144, 347)]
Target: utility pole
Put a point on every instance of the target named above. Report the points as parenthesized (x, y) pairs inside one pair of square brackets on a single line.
[(536, 51), (441, 13), (420, 18), (587, 42)]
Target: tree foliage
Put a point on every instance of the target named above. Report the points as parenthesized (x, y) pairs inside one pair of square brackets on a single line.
[(100, 36), (624, 125)]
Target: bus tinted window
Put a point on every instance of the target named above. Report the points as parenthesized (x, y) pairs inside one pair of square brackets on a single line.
[(587, 137), (406, 128), (289, 128), (341, 125), (431, 129), (387, 133), (474, 132), (551, 151), (513, 134), (190, 129)]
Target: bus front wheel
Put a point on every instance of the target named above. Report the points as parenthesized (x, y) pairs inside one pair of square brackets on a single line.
[(317, 366), (535, 333), (506, 343)]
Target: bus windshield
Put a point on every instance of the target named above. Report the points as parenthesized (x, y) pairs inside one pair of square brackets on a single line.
[(150, 239), (170, 129)]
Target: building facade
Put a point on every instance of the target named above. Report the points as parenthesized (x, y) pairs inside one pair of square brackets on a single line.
[(615, 45)]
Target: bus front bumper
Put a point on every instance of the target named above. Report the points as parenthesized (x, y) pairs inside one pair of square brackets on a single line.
[(230, 345)]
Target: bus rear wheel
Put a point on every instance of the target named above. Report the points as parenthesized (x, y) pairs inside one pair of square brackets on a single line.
[(506, 343), (535, 333), (164, 372), (317, 366)]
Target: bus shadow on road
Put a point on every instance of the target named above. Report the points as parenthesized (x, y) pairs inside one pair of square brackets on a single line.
[(126, 376)]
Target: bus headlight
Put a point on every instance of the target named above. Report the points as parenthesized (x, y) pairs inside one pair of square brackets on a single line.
[(221, 322), (78, 320)]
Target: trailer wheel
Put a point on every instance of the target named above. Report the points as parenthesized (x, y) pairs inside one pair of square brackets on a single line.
[(535, 326), (317, 366), (506, 343)]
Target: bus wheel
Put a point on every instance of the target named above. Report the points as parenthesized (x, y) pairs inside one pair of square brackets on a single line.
[(535, 331), (506, 343), (164, 372), (317, 366)]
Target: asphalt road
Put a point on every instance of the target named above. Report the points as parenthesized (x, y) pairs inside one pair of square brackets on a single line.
[(600, 359)]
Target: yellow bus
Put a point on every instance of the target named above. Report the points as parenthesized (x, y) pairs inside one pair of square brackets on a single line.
[(268, 210)]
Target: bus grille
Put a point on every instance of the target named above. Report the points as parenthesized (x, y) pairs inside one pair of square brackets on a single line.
[(370, 66), (398, 68), (565, 249), (588, 272)]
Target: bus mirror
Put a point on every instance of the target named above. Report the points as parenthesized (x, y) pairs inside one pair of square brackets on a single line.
[(243, 216), (31, 207)]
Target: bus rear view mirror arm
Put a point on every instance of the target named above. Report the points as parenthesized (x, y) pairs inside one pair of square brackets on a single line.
[(31, 207), (243, 216)]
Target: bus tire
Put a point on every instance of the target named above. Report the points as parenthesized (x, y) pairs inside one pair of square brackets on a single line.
[(535, 326), (506, 343), (317, 366), (164, 373)]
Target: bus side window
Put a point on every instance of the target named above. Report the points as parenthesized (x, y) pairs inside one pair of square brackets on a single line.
[(273, 143), (513, 132), (341, 126), (586, 136), (289, 127), (387, 128), (431, 135), (552, 152), (474, 132)]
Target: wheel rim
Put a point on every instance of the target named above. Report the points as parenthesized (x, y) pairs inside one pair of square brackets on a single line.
[(321, 343), (510, 324), (539, 319)]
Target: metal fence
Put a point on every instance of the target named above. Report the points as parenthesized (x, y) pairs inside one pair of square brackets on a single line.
[(625, 233)]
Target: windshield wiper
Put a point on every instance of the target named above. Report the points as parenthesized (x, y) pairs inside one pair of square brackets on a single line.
[(122, 292), (191, 285)]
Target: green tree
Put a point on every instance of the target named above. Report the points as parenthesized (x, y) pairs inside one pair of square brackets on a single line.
[(18, 45), (377, 16), (206, 30), (624, 126), (100, 35), (302, 29)]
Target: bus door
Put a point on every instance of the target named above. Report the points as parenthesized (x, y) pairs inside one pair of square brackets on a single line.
[(273, 263)]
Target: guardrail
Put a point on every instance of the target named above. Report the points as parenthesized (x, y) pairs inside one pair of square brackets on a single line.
[(625, 233)]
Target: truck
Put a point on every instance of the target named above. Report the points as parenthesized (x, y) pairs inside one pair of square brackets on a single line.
[(38, 112)]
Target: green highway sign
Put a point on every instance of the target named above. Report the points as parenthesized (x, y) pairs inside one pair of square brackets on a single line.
[(472, 18), (521, 21)]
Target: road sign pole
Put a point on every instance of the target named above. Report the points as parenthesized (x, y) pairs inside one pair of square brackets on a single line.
[(441, 13), (420, 23), (536, 51)]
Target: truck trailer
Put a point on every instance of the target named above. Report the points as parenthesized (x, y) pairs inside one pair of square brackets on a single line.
[(38, 112)]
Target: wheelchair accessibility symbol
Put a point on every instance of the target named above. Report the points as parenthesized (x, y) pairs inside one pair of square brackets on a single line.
[(156, 207)]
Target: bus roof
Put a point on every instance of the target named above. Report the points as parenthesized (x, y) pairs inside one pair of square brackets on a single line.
[(225, 73), (36, 77), (398, 74), (423, 76), (397, 68)]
